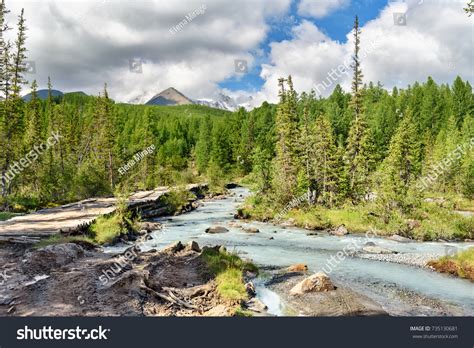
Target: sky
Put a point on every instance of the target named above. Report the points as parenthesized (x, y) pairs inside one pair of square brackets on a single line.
[(240, 48)]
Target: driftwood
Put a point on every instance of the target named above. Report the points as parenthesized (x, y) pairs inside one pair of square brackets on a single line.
[(171, 298)]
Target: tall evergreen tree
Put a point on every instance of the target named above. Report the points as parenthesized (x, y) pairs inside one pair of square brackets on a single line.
[(286, 165), (356, 86), (401, 168), (359, 156)]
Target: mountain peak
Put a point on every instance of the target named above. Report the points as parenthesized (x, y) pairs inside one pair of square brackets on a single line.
[(169, 96)]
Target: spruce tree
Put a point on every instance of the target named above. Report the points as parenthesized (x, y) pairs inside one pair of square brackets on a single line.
[(400, 169), (359, 156), (325, 161), (356, 86), (286, 165)]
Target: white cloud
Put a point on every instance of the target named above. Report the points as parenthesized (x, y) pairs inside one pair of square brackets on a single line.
[(82, 44), (436, 41), (320, 8)]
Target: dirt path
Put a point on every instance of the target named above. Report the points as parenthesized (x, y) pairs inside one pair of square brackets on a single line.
[(70, 217)]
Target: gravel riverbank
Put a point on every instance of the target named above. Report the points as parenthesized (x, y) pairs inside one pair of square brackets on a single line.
[(412, 259)]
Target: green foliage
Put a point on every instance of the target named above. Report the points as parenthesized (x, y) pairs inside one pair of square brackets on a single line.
[(6, 215), (176, 199)]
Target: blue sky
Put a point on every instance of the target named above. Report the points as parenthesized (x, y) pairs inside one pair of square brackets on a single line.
[(306, 39), (336, 26)]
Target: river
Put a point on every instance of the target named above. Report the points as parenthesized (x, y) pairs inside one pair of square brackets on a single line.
[(391, 285)]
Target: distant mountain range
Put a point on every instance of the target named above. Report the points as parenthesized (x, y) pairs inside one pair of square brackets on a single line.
[(172, 96), (169, 96), (43, 94)]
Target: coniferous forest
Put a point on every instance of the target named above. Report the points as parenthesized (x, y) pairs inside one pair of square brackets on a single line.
[(357, 202), (385, 151)]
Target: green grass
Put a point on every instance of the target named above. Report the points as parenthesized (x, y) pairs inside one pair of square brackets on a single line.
[(228, 269), (230, 285), (434, 221), (461, 264), (106, 228), (59, 239), (6, 215)]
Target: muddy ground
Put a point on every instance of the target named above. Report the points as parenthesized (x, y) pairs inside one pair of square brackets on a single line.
[(69, 280)]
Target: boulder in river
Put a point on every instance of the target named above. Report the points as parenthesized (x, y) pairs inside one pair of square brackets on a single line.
[(255, 305), (150, 226), (318, 282), (216, 229), (340, 230), (299, 267), (399, 238), (251, 229)]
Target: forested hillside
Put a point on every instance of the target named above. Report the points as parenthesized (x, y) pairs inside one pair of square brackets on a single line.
[(391, 147)]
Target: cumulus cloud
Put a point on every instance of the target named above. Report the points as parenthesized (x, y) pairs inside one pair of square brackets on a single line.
[(83, 44), (436, 41), (320, 8)]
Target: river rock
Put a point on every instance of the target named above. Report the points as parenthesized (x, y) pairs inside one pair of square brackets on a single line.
[(377, 250), (194, 246), (312, 233), (369, 244), (251, 229), (216, 229), (255, 305), (299, 267), (149, 226), (339, 231), (250, 288), (318, 282), (400, 239), (174, 248)]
